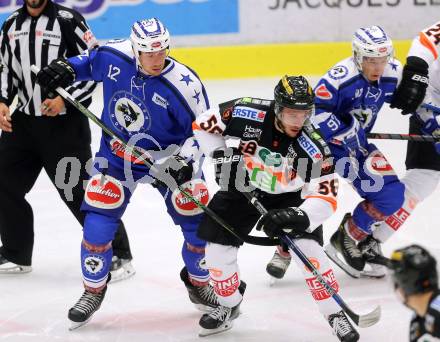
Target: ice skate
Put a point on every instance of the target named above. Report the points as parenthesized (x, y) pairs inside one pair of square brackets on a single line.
[(342, 327), (121, 269), (278, 265), (221, 318), (8, 267), (372, 253), (342, 244), (203, 297), (86, 306)]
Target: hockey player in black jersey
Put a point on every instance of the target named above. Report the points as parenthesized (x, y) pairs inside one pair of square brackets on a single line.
[(415, 280), (282, 158)]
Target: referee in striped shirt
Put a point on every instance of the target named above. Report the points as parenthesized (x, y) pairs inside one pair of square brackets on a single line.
[(43, 129)]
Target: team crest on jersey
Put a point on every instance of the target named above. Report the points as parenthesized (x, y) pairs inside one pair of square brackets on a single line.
[(338, 72), (129, 114), (323, 93), (183, 205)]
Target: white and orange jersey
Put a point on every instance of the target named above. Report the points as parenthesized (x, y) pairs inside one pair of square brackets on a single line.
[(427, 46), (275, 163)]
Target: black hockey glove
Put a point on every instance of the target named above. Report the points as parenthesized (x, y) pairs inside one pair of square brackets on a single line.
[(290, 221), (58, 73), (226, 161), (412, 89), (176, 167)]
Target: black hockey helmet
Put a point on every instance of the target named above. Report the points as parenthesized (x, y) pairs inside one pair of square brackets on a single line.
[(414, 270), (294, 92)]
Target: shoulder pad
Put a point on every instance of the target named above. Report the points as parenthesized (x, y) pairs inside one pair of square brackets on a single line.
[(341, 72), (12, 16)]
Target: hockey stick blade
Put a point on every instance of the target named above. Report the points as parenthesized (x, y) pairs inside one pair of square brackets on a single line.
[(366, 320)]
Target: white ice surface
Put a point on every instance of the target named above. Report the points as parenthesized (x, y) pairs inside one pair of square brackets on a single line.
[(153, 305)]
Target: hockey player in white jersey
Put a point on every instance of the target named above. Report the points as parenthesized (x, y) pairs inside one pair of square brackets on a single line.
[(152, 100), (420, 83)]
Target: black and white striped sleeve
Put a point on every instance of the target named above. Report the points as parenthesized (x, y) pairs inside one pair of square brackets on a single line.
[(83, 39), (8, 89)]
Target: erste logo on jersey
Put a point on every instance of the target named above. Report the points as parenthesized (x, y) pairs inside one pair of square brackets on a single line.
[(309, 146), (183, 205), (338, 72), (323, 93), (128, 113), (249, 113), (104, 192)]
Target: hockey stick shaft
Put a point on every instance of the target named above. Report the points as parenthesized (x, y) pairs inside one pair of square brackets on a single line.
[(409, 137), (69, 98), (360, 320)]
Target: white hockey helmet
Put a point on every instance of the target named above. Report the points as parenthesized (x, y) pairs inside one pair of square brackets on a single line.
[(371, 42), (149, 35)]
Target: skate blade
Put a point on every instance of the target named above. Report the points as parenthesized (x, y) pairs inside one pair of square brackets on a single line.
[(124, 272), (376, 272), (272, 281), (76, 325), (15, 269), (332, 253), (224, 327), (203, 308)]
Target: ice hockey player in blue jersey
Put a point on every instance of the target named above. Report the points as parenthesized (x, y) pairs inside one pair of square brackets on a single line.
[(151, 100), (415, 280), (348, 99)]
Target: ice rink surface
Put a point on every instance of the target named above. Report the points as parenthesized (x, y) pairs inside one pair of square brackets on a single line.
[(154, 305)]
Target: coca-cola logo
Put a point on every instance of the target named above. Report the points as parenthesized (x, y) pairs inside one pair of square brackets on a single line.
[(104, 192), (186, 206)]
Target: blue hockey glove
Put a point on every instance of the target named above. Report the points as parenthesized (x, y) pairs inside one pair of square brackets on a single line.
[(290, 221), (432, 127), (352, 138)]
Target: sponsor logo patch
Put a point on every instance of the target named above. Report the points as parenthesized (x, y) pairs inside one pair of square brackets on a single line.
[(379, 165), (159, 100), (314, 262), (251, 132), (104, 192), (323, 93), (227, 287), (397, 219), (318, 290), (309, 146), (183, 205), (119, 150), (249, 113)]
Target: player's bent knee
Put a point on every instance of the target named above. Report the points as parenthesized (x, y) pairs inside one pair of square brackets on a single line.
[(100, 229), (217, 255)]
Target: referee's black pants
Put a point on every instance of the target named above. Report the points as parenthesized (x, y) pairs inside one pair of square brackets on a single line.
[(36, 143)]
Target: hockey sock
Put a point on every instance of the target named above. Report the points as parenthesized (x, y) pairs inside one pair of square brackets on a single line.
[(223, 269), (95, 264), (317, 257), (193, 256), (365, 215)]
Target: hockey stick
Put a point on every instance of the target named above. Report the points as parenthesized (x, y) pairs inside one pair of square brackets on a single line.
[(362, 321), (255, 240), (410, 137)]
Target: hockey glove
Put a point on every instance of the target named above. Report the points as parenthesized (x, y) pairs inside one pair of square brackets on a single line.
[(412, 89), (352, 138), (432, 127), (59, 73), (290, 221), (227, 162), (176, 167)]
